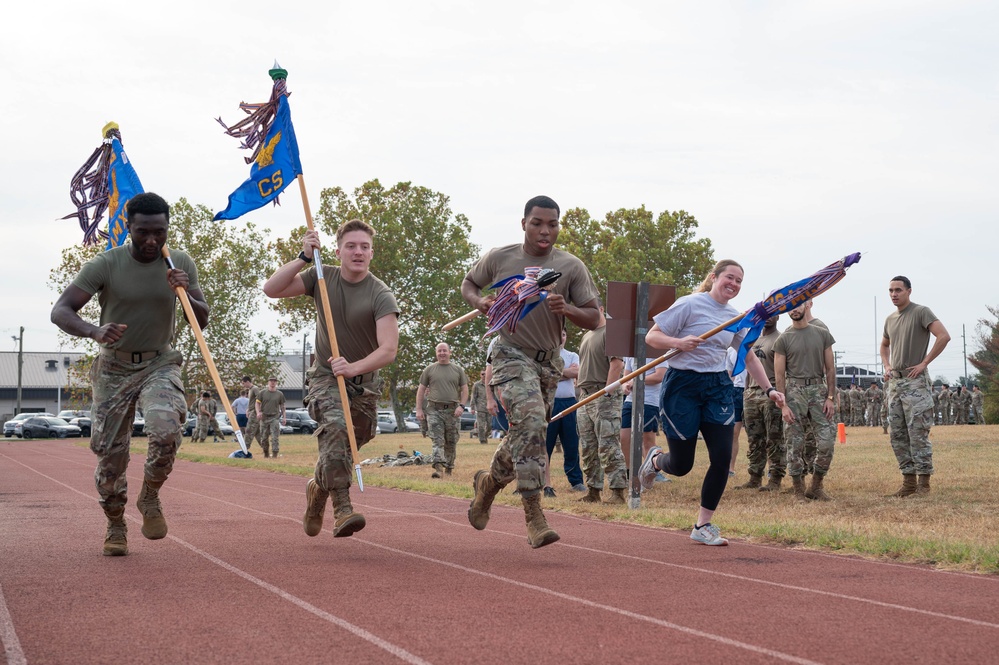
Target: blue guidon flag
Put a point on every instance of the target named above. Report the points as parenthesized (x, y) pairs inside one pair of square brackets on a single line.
[(786, 299), (275, 161), (106, 181)]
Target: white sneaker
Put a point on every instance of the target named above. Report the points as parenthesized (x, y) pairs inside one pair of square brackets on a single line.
[(707, 535), (647, 472)]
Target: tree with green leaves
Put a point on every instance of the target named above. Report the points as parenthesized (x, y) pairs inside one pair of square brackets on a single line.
[(232, 262), (422, 252), (633, 245), (986, 361)]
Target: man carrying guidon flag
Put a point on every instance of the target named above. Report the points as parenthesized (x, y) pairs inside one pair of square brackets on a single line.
[(526, 365)]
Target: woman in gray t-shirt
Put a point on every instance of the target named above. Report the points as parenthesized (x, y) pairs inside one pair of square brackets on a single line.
[(697, 392)]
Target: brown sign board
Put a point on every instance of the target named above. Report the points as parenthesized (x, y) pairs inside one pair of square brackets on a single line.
[(622, 301)]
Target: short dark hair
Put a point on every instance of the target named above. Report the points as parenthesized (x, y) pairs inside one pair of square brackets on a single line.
[(147, 203), (246, 378), (206, 394), (903, 279), (541, 202)]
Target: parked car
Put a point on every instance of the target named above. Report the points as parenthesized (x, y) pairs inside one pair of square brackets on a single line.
[(300, 422), (138, 425), (386, 422), (8, 427), (224, 427), (221, 419), (467, 419), (81, 419), (46, 427)]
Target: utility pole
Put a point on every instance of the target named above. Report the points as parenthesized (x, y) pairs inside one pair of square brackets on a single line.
[(964, 343), (20, 366)]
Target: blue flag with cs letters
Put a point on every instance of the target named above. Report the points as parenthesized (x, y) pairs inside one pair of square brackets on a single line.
[(276, 165)]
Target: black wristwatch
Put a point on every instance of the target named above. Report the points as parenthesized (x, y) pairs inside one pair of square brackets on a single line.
[(769, 390), (305, 258)]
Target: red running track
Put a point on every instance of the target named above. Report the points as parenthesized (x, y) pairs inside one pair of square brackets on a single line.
[(238, 581)]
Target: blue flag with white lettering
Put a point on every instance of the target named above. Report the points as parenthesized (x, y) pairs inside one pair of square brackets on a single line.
[(276, 165), (123, 184)]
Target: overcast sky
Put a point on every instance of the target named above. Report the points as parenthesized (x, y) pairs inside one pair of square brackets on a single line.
[(795, 132)]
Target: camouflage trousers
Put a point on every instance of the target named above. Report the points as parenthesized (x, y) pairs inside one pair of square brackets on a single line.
[(910, 416), (335, 465), (482, 422), (252, 428), (270, 434), (806, 404), (764, 429), (599, 426), (442, 427), (976, 412), (526, 389), (155, 387), (875, 412), (204, 424)]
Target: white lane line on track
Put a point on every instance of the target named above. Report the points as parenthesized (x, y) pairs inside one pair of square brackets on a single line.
[(392, 649), (706, 571), (11, 645)]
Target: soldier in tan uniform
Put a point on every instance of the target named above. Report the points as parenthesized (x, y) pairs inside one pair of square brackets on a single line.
[(910, 411), (526, 364), (136, 366), (480, 408), (365, 316), (439, 399)]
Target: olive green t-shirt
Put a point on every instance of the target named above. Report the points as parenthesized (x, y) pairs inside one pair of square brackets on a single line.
[(540, 329), (356, 308), (908, 335), (594, 363), (443, 382), (763, 347), (804, 349), (270, 402), (137, 295)]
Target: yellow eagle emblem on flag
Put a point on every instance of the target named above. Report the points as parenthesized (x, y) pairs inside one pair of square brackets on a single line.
[(266, 155)]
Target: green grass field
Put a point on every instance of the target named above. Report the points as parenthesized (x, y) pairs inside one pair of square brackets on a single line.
[(956, 526)]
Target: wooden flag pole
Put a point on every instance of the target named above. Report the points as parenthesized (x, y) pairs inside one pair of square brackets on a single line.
[(206, 354), (331, 333), (645, 368), (461, 319)]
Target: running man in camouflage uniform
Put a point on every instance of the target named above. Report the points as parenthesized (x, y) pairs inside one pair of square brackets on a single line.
[(910, 403), (762, 419), (136, 366), (366, 319), (599, 422), (526, 364), (444, 387), (803, 362), (480, 408), (978, 405)]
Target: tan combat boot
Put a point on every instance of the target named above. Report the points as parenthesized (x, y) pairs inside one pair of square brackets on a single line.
[(799, 488), (345, 521), (616, 497), (592, 496), (486, 490), (116, 539), (315, 508), (154, 525), (438, 468), (908, 487), (539, 533), (816, 492), (753, 483), (773, 484), (923, 484)]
